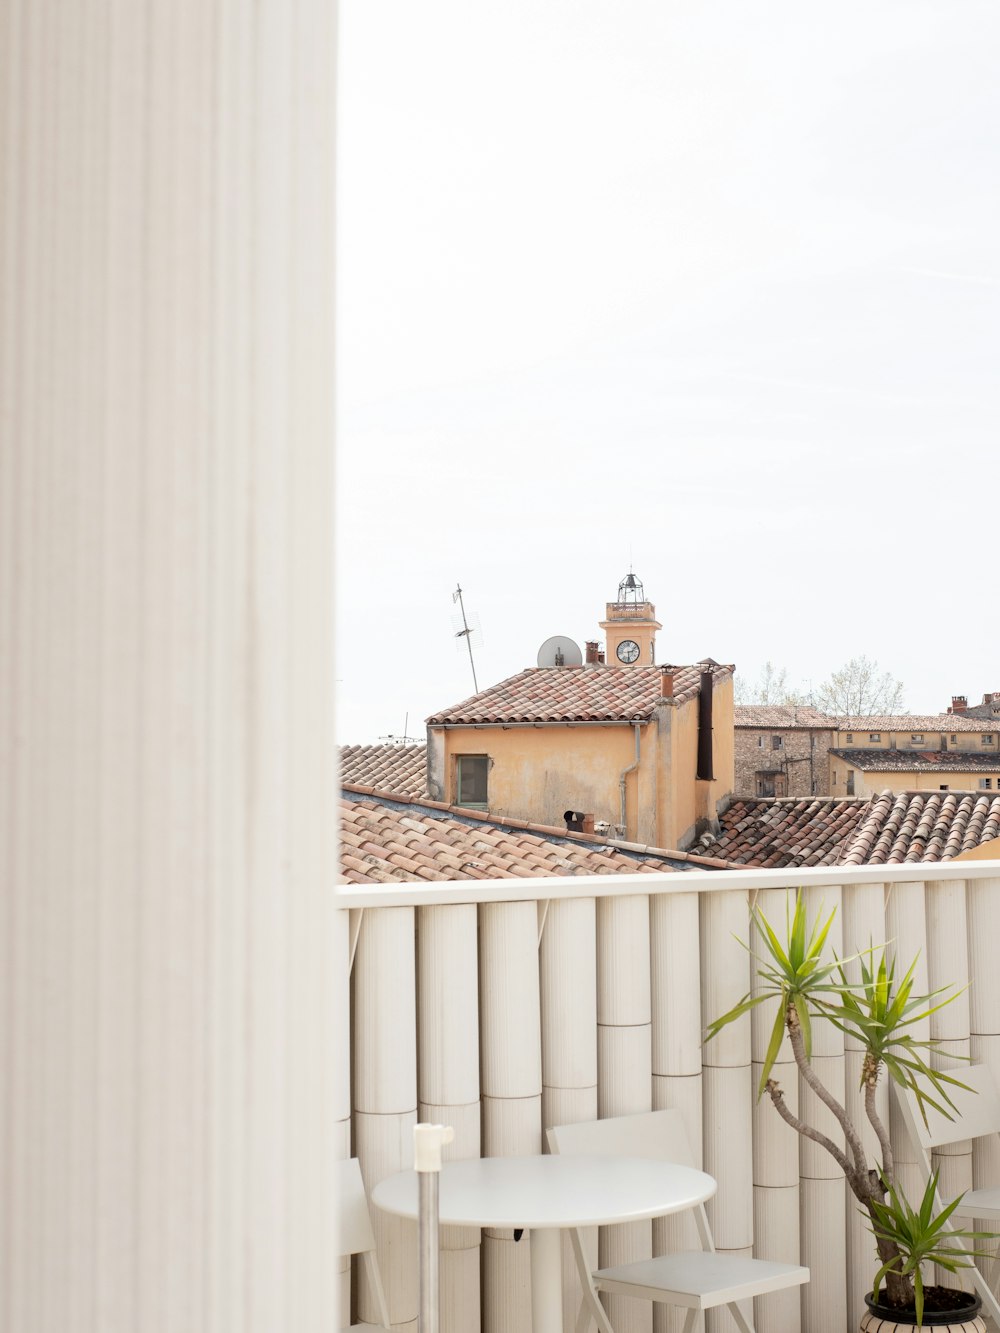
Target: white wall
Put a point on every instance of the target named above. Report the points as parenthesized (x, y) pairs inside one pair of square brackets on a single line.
[(167, 773)]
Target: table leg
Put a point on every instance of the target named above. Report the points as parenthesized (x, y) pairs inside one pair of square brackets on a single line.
[(546, 1280)]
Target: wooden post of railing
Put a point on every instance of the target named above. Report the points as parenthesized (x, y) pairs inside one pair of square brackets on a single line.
[(864, 926), (677, 1032), (906, 931), (385, 1093), (947, 949), (448, 1069), (823, 1193), (624, 1066), (728, 1096), (511, 1088), (775, 1146), (340, 1019), (983, 924), (568, 981)]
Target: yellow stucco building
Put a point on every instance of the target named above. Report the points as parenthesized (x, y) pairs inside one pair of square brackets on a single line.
[(938, 752), (646, 750)]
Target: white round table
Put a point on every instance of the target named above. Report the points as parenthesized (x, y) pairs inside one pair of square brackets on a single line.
[(543, 1194)]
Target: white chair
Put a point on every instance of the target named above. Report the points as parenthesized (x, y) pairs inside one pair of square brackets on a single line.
[(354, 1227), (696, 1279), (976, 1115)]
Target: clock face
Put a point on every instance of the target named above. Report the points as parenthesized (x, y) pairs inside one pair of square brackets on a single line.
[(628, 650)]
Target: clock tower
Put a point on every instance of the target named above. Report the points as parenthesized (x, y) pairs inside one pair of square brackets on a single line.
[(631, 625)]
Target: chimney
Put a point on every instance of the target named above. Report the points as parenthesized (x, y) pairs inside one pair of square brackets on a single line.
[(591, 652), (705, 773), (600, 657), (666, 682), (959, 703)]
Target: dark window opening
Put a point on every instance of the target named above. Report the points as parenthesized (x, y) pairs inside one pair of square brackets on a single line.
[(471, 778)]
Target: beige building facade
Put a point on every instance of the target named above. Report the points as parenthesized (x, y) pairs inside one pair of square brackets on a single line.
[(935, 752)]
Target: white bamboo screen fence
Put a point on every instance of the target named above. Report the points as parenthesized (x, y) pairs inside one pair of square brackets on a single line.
[(482, 1006)]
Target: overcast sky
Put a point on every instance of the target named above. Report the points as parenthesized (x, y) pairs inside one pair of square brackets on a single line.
[(712, 289)]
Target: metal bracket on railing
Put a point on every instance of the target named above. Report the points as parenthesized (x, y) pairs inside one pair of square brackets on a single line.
[(428, 1140)]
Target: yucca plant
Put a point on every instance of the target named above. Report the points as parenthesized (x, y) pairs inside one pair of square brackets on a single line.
[(879, 1013)]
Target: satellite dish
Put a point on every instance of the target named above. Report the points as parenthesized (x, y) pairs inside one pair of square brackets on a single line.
[(559, 651)]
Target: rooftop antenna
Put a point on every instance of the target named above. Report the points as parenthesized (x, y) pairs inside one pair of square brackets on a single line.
[(466, 632), (405, 739)]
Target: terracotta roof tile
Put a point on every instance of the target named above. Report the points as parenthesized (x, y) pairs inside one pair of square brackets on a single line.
[(924, 761), (387, 838), (785, 831), (775, 716), (576, 694), (888, 829), (399, 768), (922, 826), (918, 722)]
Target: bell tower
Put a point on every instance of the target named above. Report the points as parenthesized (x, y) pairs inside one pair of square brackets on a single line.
[(631, 625)]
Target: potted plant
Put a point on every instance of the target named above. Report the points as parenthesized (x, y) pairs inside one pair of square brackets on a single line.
[(879, 1012)]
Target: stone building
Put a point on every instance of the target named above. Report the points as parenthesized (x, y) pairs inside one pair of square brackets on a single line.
[(782, 750)]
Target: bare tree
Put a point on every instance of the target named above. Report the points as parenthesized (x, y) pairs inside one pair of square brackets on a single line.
[(860, 689), (770, 687)]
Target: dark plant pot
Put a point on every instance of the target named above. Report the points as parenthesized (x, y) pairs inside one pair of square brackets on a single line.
[(881, 1318)]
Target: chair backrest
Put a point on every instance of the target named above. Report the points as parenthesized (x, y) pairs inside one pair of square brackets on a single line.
[(976, 1110), (354, 1224), (656, 1134)]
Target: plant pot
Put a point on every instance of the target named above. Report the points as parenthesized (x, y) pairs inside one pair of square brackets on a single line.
[(880, 1318)]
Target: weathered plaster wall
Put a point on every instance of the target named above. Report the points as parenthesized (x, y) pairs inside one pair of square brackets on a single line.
[(537, 773), (865, 783), (902, 739), (803, 758)]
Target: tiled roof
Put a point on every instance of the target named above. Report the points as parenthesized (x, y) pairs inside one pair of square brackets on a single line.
[(395, 768), (576, 694), (889, 829), (918, 722), (923, 761), (784, 831), (385, 839), (922, 826), (781, 715)]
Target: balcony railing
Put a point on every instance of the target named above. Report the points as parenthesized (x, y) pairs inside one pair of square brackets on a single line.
[(503, 1007)]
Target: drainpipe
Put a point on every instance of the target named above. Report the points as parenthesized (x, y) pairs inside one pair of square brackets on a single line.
[(626, 771)]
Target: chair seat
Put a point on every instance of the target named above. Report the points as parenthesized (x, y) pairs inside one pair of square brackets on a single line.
[(700, 1279), (980, 1203)]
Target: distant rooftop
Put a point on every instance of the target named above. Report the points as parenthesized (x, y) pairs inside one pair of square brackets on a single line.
[(929, 761), (891, 828), (396, 768), (917, 722), (386, 838), (577, 694), (781, 715)]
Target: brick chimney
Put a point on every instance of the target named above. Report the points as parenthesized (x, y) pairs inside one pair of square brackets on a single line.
[(666, 682), (591, 658), (959, 704)]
